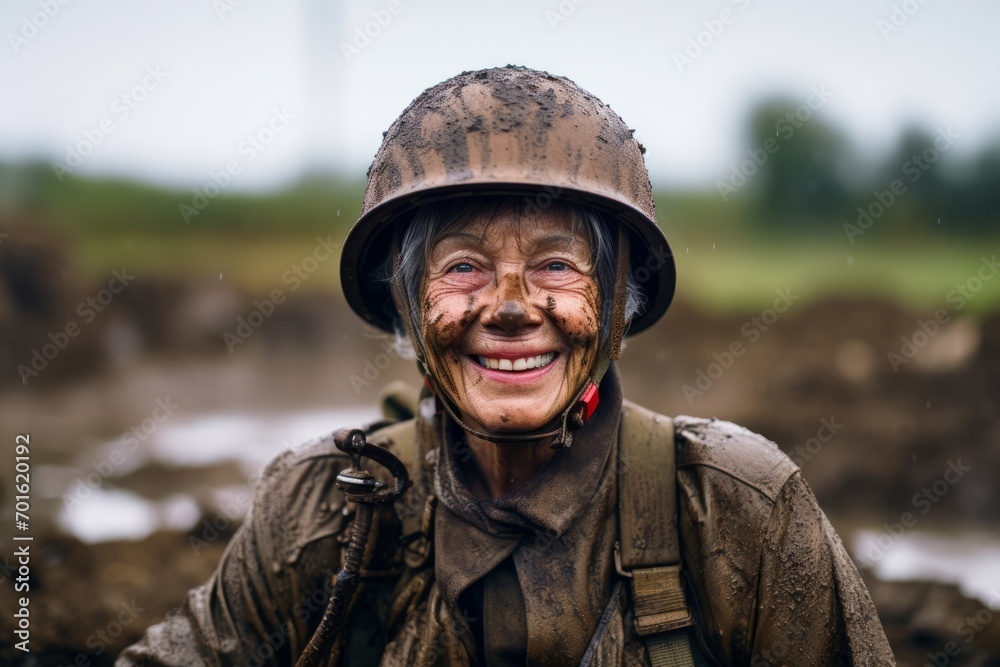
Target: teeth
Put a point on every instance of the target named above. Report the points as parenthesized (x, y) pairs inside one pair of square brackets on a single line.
[(523, 364)]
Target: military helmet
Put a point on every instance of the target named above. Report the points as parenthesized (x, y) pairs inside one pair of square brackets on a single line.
[(506, 131)]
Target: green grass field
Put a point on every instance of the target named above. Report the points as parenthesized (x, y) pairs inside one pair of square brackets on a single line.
[(724, 261), (736, 274), (745, 275)]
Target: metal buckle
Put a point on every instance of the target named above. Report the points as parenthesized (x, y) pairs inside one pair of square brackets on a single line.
[(618, 562)]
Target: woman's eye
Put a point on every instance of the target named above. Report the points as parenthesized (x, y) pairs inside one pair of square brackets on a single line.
[(464, 267), (557, 266)]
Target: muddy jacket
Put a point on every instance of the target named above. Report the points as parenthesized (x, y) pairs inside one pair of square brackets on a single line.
[(529, 578)]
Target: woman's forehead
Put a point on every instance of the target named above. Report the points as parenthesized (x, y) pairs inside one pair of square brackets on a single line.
[(529, 231)]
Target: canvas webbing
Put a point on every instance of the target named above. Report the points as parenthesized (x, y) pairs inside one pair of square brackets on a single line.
[(672, 649), (649, 544)]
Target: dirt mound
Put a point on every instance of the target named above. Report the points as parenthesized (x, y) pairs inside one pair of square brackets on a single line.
[(869, 431)]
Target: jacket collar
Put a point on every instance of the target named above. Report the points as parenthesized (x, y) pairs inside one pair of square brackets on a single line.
[(556, 496), (473, 536)]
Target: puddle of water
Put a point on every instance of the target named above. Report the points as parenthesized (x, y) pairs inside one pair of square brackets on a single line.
[(249, 440), (122, 515), (969, 560)]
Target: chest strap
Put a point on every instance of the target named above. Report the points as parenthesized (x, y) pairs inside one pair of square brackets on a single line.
[(648, 552)]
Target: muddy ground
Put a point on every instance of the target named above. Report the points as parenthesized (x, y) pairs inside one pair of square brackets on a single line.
[(817, 379)]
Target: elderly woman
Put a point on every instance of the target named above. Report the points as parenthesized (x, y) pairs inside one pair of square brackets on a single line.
[(508, 235)]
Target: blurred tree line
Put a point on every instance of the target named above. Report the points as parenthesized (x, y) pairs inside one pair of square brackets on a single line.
[(798, 171), (92, 206)]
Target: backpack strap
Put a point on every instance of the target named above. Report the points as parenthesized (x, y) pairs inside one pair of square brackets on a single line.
[(648, 551)]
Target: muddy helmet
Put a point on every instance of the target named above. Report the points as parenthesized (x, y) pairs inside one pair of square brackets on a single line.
[(506, 131)]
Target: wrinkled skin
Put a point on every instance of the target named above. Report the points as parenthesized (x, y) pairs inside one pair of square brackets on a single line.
[(511, 288)]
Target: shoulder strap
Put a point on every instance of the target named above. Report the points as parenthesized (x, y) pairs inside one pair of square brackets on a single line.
[(647, 492), (649, 544)]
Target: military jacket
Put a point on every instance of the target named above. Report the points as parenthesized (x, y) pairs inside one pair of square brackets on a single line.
[(528, 578)]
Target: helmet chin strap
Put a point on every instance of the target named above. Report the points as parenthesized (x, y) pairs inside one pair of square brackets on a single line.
[(584, 403)]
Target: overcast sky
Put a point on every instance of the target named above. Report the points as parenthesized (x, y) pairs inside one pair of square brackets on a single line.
[(210, 73)]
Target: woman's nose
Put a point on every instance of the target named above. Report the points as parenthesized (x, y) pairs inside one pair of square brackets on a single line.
[(511, 316), (511, 312)]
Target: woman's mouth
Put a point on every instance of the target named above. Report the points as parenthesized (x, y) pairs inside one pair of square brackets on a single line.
[(516, 365)]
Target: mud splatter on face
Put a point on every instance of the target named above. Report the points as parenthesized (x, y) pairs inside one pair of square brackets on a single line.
[(488, 300), (470, 306)]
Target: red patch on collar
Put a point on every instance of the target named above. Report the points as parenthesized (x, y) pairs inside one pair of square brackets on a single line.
[(589, 400)]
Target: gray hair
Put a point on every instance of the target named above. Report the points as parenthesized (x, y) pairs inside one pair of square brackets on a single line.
[(430, 223)]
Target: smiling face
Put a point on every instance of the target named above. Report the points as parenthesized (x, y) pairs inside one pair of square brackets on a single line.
[(509, 314)]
